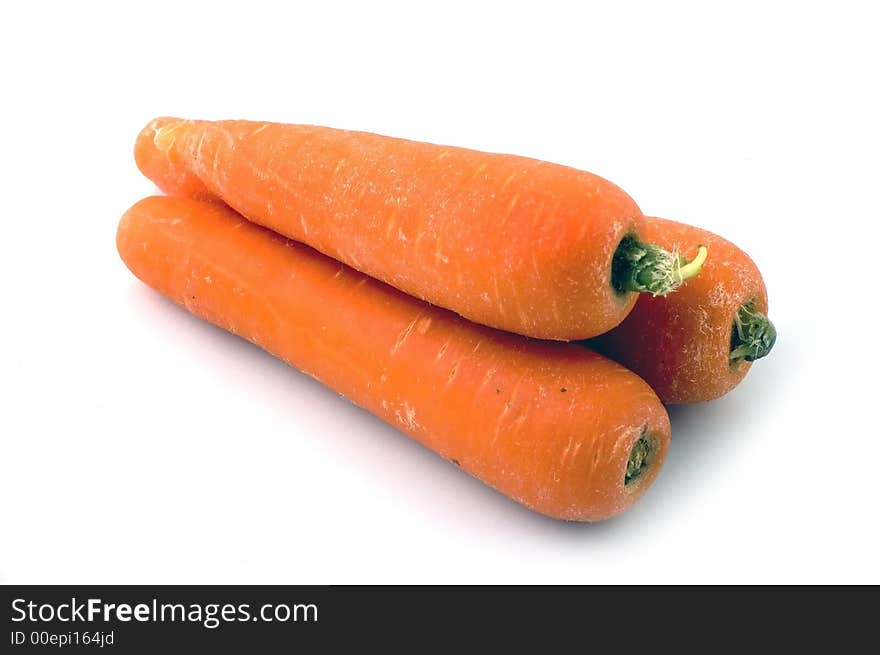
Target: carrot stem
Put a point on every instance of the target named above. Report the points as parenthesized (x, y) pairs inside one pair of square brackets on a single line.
[(648, 268), (753, 335), (693, 268), (639, 457)]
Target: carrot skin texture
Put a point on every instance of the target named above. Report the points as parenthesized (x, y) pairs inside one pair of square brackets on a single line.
[(549, 424), (680, 343), (506, 241)]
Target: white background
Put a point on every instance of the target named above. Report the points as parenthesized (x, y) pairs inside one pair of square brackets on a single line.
[(138, 444)]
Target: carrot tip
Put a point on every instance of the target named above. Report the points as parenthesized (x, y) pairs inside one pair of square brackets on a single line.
[(165, 134), (648, 268), (753, 335)]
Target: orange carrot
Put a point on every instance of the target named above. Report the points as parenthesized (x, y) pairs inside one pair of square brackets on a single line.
[(514, 243), (697, 343), (552, 425)]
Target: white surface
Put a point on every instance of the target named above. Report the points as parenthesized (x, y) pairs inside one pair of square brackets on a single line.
[(138, 444)]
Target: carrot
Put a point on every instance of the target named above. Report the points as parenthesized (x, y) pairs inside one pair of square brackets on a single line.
[(697, 343), (553, 425), (514, 243)]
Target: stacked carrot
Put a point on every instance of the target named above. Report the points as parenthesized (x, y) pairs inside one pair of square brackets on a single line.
[(437, 287)]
